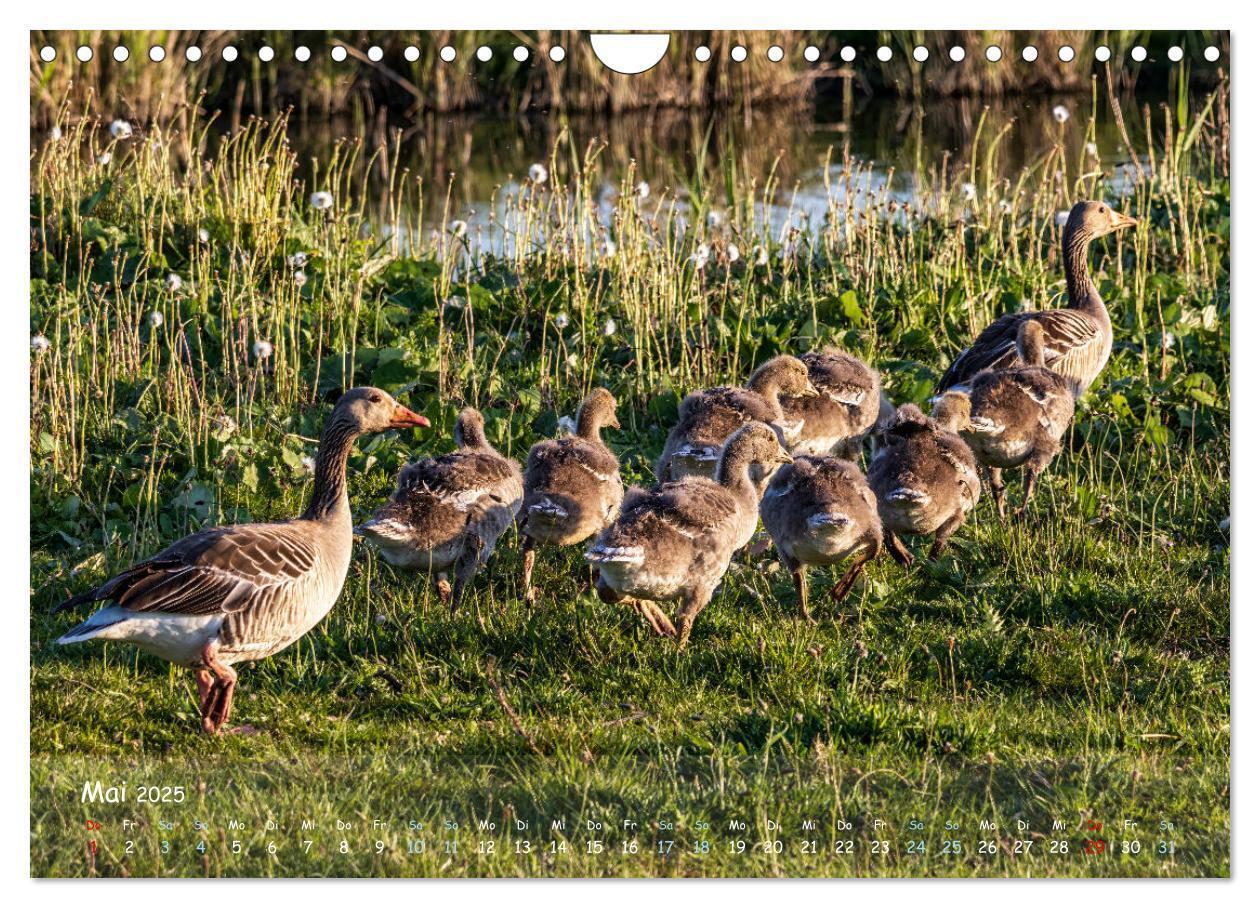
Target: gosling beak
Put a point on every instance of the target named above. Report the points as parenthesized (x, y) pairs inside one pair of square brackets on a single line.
[(811, 391), (406, 419), (1121, 221), (785, 457), (614, 423)]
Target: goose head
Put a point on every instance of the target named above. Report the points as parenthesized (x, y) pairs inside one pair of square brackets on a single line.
[(470, 429), (368, 410), (755, 446), (1095, 219)]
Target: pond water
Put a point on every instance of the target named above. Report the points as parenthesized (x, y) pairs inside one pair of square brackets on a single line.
[(909, 143)]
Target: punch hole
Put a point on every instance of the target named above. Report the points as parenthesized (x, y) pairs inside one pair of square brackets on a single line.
[(556, 54), (193, 54), (1030, 54), (266, 54), (230, 53), (1102, 54), (957, 54), (1211, 53), (157, 54), (703, 54), (484, 54), (447, 54), (47, 53), (339, 54), (774, 54), (847, 54), (301, 53), (920, 53), (812, 54), (1138, 53), (84, 53), (121, 54), (411, 54), (1175, 54), (993, 53), (1066, 54), (520, 53), (884, 54), (375, 54), (739, 53)]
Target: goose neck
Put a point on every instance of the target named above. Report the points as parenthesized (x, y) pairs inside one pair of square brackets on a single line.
[(1082, 294), (329, 497)]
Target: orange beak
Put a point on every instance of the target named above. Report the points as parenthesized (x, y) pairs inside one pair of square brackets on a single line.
[(405, 419)]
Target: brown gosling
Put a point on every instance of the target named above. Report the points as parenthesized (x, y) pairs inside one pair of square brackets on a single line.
[(572, 484), (1018, 416), (707, 418), (819, 511), (924, 478), (676, 541), (242, 593), (1077, 337), (844, 411), (448, 512)]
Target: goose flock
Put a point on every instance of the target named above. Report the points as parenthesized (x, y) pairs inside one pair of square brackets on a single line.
[(781, 451)]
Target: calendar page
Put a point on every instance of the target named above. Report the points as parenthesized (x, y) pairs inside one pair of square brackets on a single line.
[(726, 454)]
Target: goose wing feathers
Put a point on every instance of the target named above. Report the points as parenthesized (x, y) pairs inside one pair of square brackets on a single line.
[(220, 570), (1069, 335), (709, 417)]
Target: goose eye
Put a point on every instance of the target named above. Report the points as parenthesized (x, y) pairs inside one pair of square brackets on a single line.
[(374, 398), (1102, 209)]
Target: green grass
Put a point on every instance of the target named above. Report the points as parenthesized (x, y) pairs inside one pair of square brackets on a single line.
[(1073, 668)]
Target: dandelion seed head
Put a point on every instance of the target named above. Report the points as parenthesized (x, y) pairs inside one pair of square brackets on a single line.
[(714, 219), (642, 189), (610, 328), (566, 424), (380, 618), (562, 320), (203, 234), (54, 134), (1091, 150), (174, 283), (1061, 113), (120, 129), (308, 463), (298, 260), (571, 360), (299, 279), (105, 158), (263, 349), (1060, 218), (321, 201), (537, 174), (969, 192), (40, 344), (459, 228), (1168, 341), (761, 255), (700, 257), (732, 252), (156, 319), (1005, 207)]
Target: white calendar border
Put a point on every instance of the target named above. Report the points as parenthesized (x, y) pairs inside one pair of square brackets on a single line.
[(639, 14)]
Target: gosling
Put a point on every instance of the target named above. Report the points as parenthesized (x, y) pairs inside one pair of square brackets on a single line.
[(1018, 416), (819, 511), (572, 484), (676, 541), (706, 419), (924, 478)]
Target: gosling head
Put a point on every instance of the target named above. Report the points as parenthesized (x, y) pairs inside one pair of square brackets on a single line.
[(369, 410), (785, 375), (952, 410), (1095, 219), (756, 445), (1030, 343), (470, 429), (598, 411)]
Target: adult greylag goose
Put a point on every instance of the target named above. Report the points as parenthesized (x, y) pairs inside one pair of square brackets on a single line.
[(572, 484), (1018, 416), (842, 413), (1078, 337), (676, 541), (448, 512), (241, 593), (924, 478), (706, 419), (819, 511)]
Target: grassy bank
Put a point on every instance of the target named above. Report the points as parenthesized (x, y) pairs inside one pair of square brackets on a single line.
[(1071, 668)]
